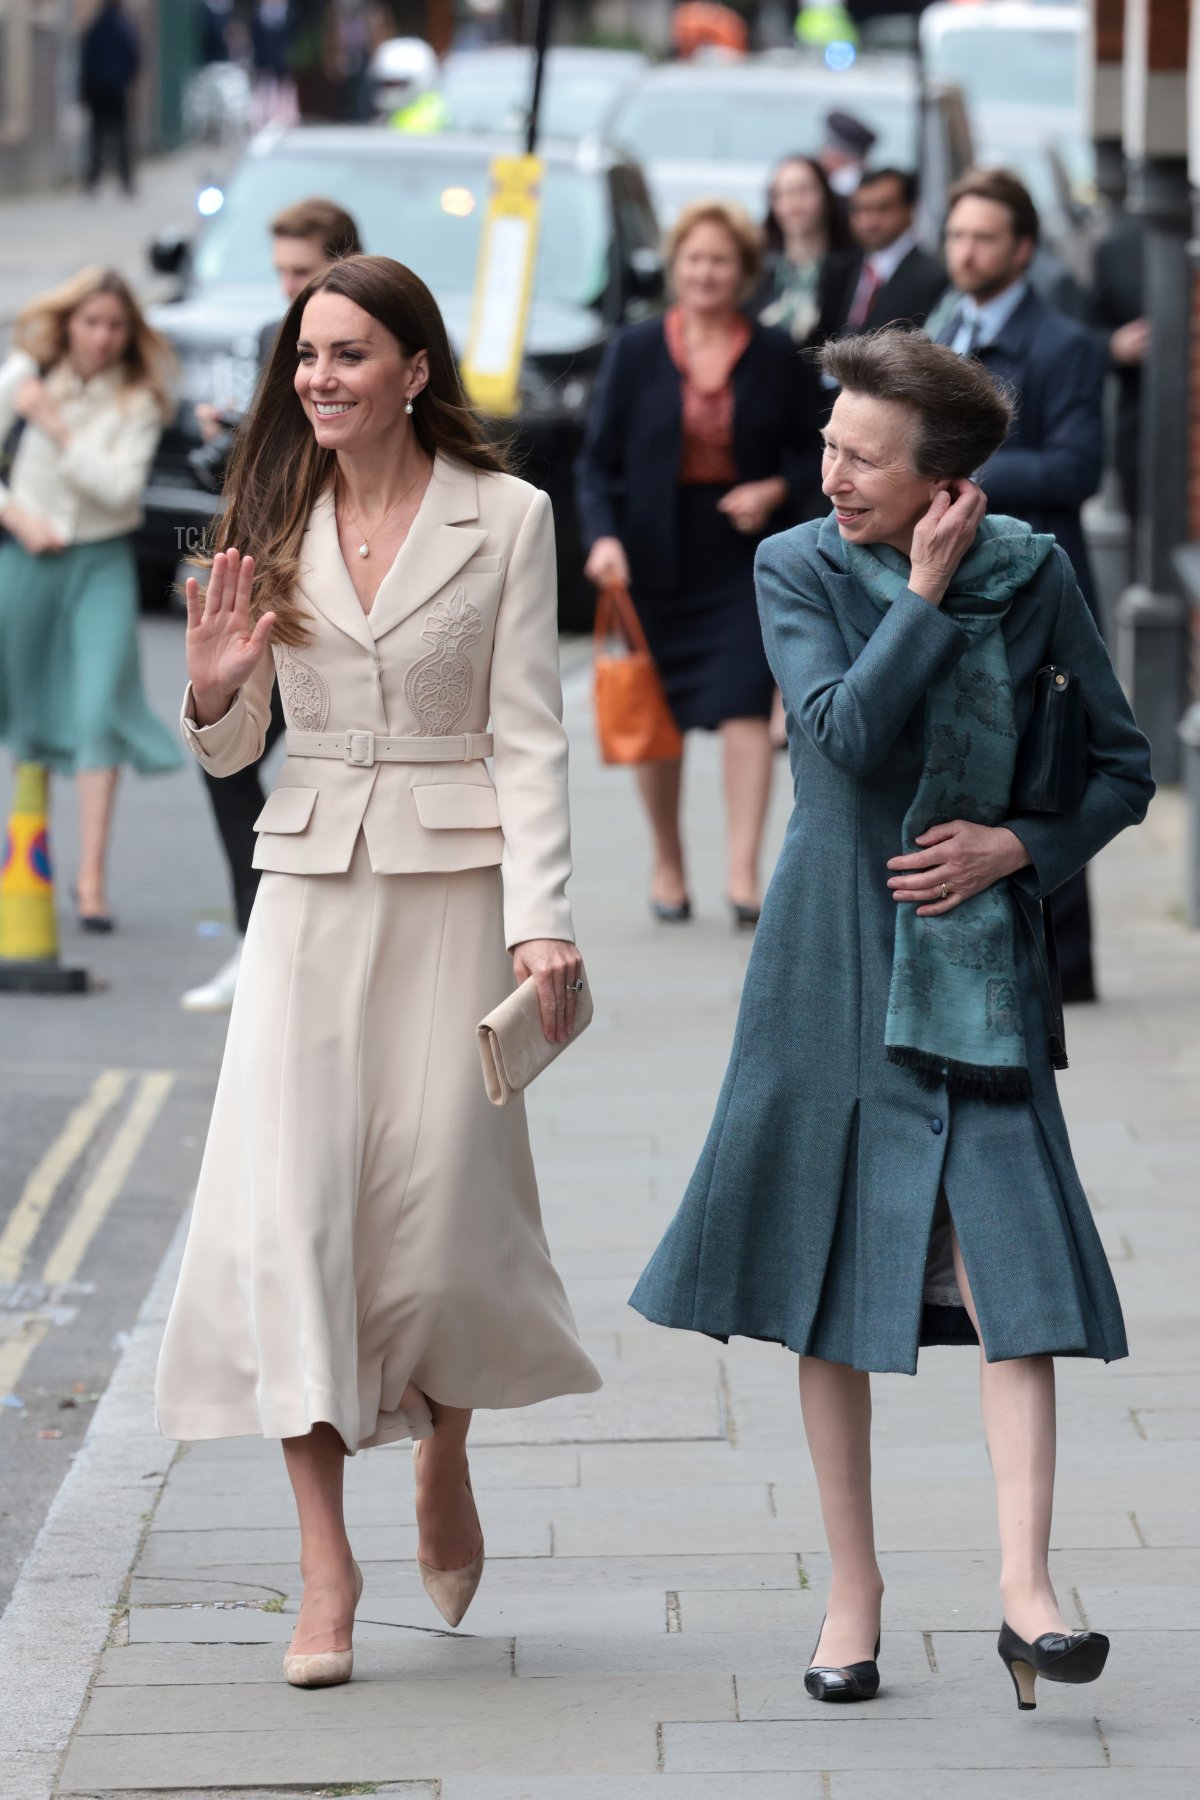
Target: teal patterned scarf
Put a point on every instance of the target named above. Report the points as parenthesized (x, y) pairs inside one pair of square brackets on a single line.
[(954, 1010)]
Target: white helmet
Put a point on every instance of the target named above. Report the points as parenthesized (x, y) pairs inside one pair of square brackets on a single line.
[(400, 70)]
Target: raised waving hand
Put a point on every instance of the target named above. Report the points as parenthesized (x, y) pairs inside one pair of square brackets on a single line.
[(223, 647)]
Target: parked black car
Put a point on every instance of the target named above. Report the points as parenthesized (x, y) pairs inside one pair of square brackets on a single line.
[(422, 200)]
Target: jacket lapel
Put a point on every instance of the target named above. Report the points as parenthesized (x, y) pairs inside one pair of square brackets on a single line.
[(325, 580), (439, 542)]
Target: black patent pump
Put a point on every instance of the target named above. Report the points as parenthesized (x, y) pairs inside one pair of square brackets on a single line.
[(856, 1681), (1073, 1657)]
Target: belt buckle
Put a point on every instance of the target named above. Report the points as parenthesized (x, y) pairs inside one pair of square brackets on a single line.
[(360, 749)]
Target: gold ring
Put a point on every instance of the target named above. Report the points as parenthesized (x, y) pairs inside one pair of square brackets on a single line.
[(945, 892)]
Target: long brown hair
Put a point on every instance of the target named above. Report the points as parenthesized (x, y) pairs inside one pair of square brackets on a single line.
[(278, 471), (41, 330)]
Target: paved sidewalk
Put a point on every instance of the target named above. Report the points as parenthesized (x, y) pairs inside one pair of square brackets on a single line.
[(656, 1571), (44, 238)]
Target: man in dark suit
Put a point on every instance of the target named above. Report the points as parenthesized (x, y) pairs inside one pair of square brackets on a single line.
[(1052, 460), (896, 281)]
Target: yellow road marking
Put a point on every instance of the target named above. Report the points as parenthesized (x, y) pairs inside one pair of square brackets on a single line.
[(38, 1196), (91, 1210), (108, 1180)]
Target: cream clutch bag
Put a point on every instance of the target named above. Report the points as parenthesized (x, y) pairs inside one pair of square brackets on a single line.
[(512, 1045)]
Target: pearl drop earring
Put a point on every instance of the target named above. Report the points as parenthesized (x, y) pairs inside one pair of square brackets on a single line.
[(408, 407)]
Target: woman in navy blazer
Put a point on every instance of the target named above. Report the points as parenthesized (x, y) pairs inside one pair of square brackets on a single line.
[(702, 439)]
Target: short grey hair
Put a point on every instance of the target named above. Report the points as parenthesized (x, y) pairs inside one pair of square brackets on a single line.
[(963, 416)]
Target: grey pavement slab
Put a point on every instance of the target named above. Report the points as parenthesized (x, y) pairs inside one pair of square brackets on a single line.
[(988, 1784), (549, 1575), (280, 1543), (982, 1741), (415, 1655), (536, 1611), (366, 1732), (397, 1790), (503, 1510), (635, 1787)]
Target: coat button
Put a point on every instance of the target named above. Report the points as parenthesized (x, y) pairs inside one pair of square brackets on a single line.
[(935, 1125)]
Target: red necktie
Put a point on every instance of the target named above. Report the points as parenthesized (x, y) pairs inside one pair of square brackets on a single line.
[(869, 285)]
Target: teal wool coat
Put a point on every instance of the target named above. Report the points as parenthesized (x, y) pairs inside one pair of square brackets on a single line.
[(808, 1219)]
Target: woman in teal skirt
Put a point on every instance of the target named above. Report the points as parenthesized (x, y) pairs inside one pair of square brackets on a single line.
[(86, 389)]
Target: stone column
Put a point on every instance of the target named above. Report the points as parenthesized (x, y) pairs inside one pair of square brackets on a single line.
[(1152, 616)]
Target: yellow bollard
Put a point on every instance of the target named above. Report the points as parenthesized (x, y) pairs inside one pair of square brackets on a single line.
[(28, 926)]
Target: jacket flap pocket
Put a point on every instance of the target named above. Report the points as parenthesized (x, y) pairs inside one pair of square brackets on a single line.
[(287, 809), (455, 806)]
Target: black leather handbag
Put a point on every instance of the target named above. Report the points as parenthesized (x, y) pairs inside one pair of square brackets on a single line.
[(1050, 776), (1052, 758)]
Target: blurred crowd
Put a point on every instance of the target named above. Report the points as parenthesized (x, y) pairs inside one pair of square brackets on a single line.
[(701, 435)]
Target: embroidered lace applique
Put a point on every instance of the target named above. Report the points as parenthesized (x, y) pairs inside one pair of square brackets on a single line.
[(439, 687), (305, 695)]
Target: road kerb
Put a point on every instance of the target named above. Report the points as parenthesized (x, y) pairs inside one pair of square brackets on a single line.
[(60, 1615)]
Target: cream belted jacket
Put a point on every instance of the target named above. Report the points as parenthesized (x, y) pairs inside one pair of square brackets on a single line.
[(463, 636)]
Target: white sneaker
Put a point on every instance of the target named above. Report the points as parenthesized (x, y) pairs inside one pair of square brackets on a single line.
[(215, 996)]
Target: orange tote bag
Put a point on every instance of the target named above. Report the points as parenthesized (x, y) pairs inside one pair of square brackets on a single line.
[(633, 721)]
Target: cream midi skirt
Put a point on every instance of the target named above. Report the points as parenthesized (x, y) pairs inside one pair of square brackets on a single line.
[(366, 1235)]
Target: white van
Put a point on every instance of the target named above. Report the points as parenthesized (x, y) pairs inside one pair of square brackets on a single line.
[(1021, 71)]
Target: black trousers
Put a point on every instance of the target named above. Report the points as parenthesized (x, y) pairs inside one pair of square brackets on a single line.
[(109, 115), (236, 801)]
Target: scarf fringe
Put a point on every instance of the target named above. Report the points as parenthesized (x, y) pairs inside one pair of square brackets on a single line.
[(975, 1080)]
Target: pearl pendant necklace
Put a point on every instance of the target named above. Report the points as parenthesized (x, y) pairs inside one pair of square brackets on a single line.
[(364, 549)]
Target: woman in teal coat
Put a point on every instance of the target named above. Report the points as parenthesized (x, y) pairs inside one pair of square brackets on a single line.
[(889, 1165)]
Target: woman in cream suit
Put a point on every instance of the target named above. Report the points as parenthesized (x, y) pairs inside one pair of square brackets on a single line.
[(366, 1260)]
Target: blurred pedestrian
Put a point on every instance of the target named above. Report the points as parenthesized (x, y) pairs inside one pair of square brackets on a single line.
[(895, 281), (1118, 309), (271, 34), (216, 17), (366, 1261), (808, 277), (889, 1167), (110, 57), (89, 378), (306, 238), (809, 261), (843, 155), (701, 432), (1052, 459)]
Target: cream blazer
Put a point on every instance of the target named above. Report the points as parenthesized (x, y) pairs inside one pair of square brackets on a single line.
[(463, 634), (93, 488)]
